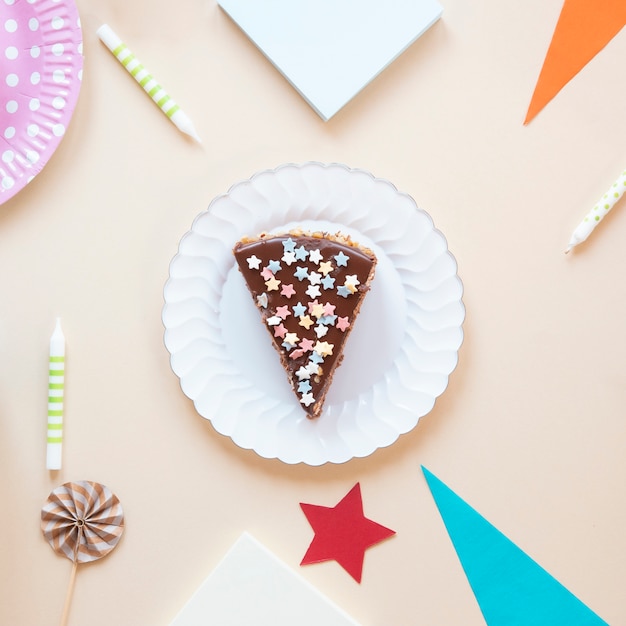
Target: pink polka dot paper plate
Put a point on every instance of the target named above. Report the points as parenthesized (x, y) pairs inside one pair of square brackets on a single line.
[(40, 75)]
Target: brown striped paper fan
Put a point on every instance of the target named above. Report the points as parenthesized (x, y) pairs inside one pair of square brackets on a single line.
[(83, 521)]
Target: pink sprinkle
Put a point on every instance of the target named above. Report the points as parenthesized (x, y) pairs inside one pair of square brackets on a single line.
[(280, 331), (329, 309), (267, 273), (312, 305), (296, 354), (283, 311), (287, 291), (306, 344), (343, 323)]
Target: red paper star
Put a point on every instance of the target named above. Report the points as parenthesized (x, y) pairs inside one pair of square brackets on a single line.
[(342, 533)]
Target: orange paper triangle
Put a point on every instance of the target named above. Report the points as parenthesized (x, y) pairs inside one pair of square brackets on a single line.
[(583, 29)]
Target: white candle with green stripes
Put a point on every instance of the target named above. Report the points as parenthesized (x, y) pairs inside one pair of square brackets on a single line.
[(596, 215), (56, 387), (136, 69)]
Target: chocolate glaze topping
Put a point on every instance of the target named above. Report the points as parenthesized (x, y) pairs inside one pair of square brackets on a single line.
[(309, 289)]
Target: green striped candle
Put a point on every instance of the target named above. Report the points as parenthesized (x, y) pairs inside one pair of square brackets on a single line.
[(56, 385), (136, 69)]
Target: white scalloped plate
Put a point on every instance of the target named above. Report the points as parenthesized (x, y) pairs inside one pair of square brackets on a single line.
[(397, 359)]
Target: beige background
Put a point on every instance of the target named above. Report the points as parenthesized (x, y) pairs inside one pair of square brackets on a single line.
[(531, 430)]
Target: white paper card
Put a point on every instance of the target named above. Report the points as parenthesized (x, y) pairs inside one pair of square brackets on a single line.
[(252, 587), (330, 49)]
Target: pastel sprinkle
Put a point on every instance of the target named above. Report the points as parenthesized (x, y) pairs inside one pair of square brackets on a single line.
[(325, 268), (272, 284), (307, 399), (343, 324), (288, 258), (304, 386), (289, 245), (341, 259), (306, 345), (299, 309), (315, 278), (292, 339), (280, 331), (253, 262), (329, 309), (313, 291), (315, 256), (320, 330), (262, 300), (274, 266), (287, 291), (305, 321), (267, 273), (328, 282), (343, 291), (301, 273), (301, 253), (274, 320), (283, 312)]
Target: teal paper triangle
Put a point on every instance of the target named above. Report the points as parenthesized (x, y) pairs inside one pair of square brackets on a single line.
[(510, 588)]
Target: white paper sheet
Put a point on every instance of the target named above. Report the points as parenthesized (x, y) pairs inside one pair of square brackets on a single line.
[(330, 49), (252, 587)]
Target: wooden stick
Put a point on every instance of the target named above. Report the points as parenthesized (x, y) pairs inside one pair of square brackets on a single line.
[(70, 588), (68, 595)]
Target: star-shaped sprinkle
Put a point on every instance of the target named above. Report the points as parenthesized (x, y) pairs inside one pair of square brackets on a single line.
[(253, 262), (280, 331), (315, 358), (329, 309), (304, 386), (296, 354), (274, 266), (325, 268), (301, 253), (323, 348), (272, 284), (313, 291), (288, 258), (299, 309), (301, 273), (267, 273), (307, 399), (315, 278), (351, 283), (262, 300), (287, 290), (274, 320), (343, 324), (342, 533), (327, 320), (341, 259), (303, 373), (343, 291), (283, 312), (315, 256), (289, 245), (312, 304), (320, 331), (287, 345), (306, 344), (292, 339), (313, 368), (305, 321), (328, 282), (317, 310)]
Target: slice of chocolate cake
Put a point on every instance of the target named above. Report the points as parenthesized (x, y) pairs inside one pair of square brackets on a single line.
[(309, 288)]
